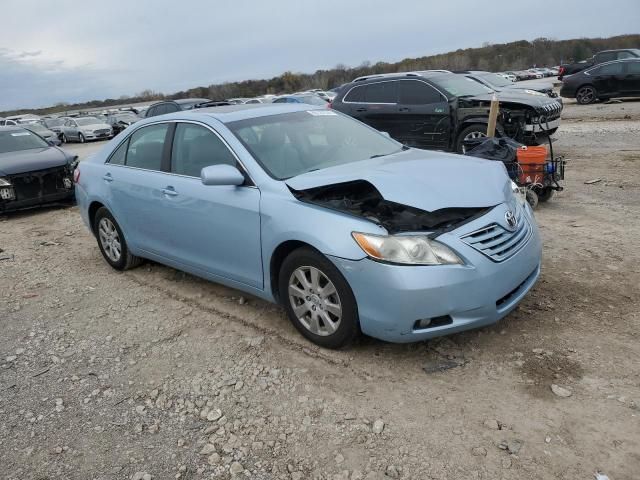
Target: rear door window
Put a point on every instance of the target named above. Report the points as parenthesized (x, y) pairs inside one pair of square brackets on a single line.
[(356, 94), (382, 92), (119, 156), (609, 69), (196, 147), (146, 146), (633, 68), (415, 92)]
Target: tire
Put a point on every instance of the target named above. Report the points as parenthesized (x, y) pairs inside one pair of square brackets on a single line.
[(586, 95), (545, 194), (532, 199), (475, 130), (318, 319), (104, 223), (63, 138), (81, 138)]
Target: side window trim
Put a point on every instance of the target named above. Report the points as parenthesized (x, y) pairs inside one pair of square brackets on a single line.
[(441, 98), (366, 85)]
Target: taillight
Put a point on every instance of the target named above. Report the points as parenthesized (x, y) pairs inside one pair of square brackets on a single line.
[(76, 175), (329, 105)]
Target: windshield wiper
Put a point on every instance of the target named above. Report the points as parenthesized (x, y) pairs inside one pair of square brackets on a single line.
[(402, 149)]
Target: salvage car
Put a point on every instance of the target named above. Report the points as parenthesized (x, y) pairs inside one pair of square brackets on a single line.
[(121, 120), (499, 83), (441, 111), (48, 135), (54, 124), (32, 171), (82, 129), (346, 228), (620, 78)]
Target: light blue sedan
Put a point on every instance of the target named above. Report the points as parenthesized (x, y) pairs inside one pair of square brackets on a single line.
[(350, 231)]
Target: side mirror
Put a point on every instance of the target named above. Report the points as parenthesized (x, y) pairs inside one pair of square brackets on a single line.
[(221, 175), (386, 134)]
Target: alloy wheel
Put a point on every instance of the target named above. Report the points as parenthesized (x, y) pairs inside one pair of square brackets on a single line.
[(109, 239), (472, 136), (315, 301), (586, 95)]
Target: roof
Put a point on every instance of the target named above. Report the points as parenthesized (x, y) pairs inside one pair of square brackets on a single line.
[(232, 113), (11, 128)]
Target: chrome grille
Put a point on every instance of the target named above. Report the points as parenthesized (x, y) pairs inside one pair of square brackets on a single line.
[(498, 243), (101, 131)]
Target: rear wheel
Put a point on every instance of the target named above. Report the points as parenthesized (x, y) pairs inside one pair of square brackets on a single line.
[(111, 241), (586, 95), (318, 299), (472, 132)]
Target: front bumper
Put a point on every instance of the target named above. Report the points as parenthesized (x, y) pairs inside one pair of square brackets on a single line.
[(542, 127), (32, 189), (392, 298)]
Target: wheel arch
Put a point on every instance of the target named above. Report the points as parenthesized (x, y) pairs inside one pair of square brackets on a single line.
[(93, 209), (281, 252)]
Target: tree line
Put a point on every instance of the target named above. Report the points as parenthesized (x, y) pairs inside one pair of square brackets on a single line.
[(517, 55)]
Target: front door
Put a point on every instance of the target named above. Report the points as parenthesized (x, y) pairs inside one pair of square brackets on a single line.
[(213, 228), (607, 79)]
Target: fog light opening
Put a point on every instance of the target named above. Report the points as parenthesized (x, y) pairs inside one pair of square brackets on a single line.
[(425, 323)]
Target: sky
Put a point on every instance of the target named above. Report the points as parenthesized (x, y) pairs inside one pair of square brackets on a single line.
[(69, 51)]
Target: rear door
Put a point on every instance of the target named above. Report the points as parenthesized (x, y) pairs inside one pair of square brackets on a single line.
[(608, 78), (631, 79), (376, 105), (423, 115), (135, 176)]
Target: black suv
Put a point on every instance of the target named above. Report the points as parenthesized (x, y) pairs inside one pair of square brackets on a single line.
[(171, 106), (435, 110)]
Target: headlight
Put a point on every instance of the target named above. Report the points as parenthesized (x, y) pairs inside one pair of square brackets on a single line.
[(519, 193), (4, 182), (406, 249)]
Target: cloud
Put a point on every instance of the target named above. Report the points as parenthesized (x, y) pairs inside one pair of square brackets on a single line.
[(163, 45)]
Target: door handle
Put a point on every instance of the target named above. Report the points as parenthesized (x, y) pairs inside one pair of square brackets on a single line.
[(169, 191), (361, 109), (404, 109), (108, 178)]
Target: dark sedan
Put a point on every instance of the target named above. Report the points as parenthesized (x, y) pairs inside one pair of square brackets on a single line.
[(620, 78), (39, 129), (32, 172)]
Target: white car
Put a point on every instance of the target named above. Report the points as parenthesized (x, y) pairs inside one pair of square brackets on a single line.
[(508, 76), (81, 129)]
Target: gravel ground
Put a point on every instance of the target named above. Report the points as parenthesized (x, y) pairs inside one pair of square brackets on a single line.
[(153, 373)]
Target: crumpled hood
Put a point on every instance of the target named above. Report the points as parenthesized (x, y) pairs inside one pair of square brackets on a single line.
[(421, 179), (31, 160)]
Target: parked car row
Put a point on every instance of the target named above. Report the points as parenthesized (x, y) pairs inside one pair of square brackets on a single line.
[(603, 81)]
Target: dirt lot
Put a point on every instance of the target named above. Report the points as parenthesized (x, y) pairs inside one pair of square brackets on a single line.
[(107, 375)]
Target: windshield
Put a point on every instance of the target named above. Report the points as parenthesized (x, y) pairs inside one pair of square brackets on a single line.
[(87, 121), (495, 80), (16, 140), (312, 100), (459, 85), (290, 144), (53, 122)]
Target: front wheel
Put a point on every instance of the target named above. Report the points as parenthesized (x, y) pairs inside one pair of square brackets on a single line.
[(318, 300), (81, 138), (472, 132), (112, 242), (586, 95)]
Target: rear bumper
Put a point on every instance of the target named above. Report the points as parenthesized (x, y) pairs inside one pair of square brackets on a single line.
[(567, 91), (392, 298)]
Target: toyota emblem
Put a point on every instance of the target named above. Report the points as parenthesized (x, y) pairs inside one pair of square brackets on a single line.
[(512, 221)]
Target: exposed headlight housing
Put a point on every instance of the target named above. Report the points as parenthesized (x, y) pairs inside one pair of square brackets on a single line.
[(519, 193), (4, 182), (406, 249)]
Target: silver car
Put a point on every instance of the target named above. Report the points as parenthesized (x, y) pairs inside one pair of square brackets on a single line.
[(81, 129)]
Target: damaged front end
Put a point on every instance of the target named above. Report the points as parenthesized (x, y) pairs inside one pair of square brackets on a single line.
[(361, 199), (35, 188)]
